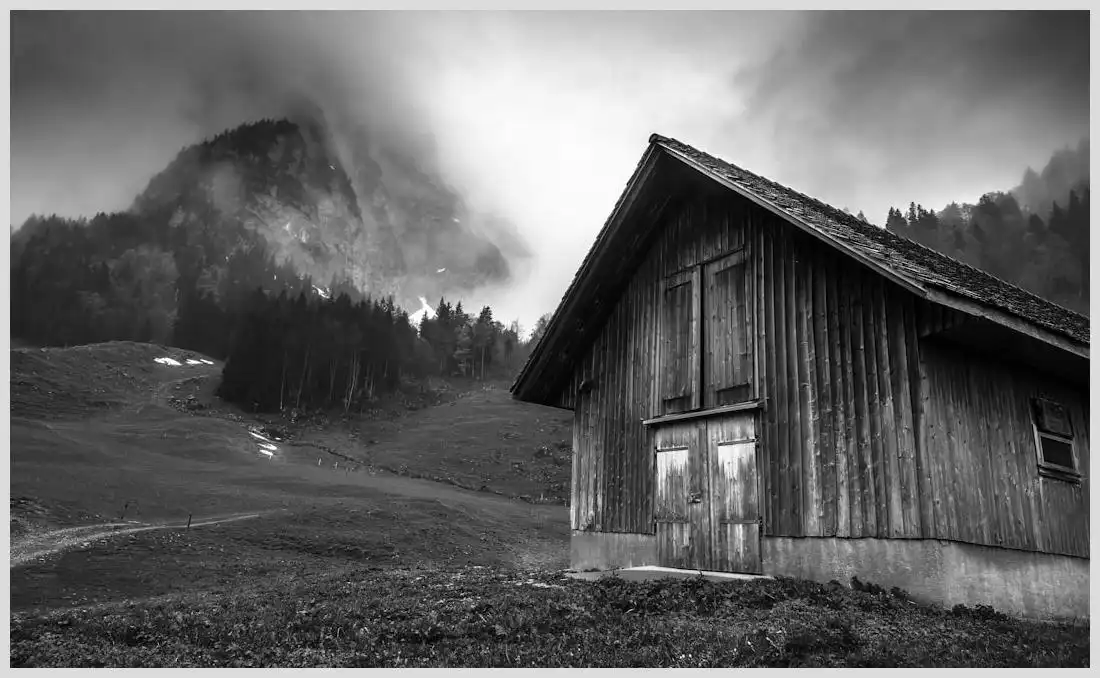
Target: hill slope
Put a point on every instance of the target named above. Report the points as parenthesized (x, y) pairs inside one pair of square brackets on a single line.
[(104, 434)]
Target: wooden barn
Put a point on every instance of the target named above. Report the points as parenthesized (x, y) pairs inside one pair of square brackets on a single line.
[(762, 383)]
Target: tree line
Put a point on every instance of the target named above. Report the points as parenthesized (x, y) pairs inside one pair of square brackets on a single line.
[(309, 353), (1035, 236), (1048, 257)]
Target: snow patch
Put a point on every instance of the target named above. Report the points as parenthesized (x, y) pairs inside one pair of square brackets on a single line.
[(260, 436), (267, 447), (440, 270), (168, 361), (204, 361), (322, 292), (192, 361)]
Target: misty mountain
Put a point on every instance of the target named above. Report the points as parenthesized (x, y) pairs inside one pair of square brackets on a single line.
[(355, 210), (1035, 235), (281, 205)]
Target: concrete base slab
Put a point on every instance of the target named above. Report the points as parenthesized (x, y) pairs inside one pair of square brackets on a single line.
[(651, 572)]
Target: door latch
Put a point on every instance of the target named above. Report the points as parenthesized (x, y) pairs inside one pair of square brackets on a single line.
[(695, 497)]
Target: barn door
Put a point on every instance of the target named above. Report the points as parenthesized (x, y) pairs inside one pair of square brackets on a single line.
[(731, 447), (682, 510)]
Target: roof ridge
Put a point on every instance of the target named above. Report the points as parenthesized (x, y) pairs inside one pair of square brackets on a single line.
[(851, 220)]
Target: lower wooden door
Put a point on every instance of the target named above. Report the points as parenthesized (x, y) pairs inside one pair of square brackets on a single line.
[(706, 509)]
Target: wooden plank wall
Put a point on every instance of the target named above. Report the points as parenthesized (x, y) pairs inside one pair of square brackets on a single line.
[(838, 449), (986, 488), (872, 430)]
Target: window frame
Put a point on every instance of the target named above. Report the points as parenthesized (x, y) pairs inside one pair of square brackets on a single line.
[(1046, 468)]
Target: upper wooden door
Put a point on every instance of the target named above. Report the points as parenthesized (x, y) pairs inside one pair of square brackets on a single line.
[(680, 348), (727, 356)]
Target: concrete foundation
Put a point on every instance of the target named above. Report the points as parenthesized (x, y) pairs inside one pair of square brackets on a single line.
[(611, 550), (1021, 583)]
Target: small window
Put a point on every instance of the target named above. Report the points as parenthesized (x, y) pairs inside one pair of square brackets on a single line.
[(1054, 438)]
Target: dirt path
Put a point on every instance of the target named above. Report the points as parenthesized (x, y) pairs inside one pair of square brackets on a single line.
[(47, 543)]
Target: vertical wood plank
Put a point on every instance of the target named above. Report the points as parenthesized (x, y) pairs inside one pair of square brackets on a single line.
[(695, 359), (580, 453), (600, 437), (921, 429), (836, 381), (896, 318), (851, 399), (1007, 496), (826, 442), (890, 449), (794, 434), (863, 415), (940, 399), (769, 342), (949, 402), (979, 452), (875, 409), (588, 519), (624, 433), (809, 461), (967, 502), (783, 439)]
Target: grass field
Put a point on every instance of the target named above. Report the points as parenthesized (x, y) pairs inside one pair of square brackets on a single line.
[(426, 536), (389, 617)]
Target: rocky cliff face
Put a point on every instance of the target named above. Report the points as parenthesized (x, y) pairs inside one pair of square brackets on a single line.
[(347, 208)]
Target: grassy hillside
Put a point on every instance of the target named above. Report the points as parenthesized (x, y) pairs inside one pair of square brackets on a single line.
[(105, 434), (354, 555), (479, 439)]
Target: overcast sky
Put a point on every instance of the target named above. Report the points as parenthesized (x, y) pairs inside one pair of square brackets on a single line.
[(543, 117)]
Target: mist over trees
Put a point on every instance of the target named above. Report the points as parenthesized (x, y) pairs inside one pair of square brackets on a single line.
[(288, 342), (1035, 236)]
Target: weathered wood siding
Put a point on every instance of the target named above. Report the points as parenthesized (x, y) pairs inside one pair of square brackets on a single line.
[(870, 428), (985, 484), (873, 430), (734, 496), (839, 453)]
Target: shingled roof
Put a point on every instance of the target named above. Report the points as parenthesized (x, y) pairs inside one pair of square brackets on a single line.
[(923, 270)]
